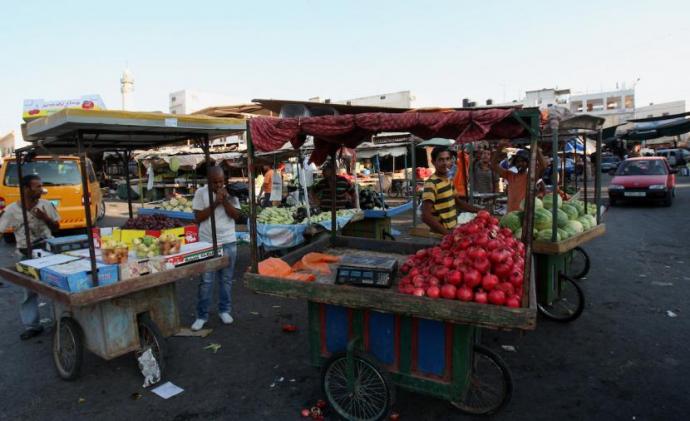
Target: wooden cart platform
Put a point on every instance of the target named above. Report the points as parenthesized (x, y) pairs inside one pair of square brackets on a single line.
[(388, 300), (561, 247)]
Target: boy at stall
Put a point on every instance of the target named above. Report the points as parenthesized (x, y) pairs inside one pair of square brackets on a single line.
[(344, 191), (226, 211), (439, 200), (517, 182), (43, 220)]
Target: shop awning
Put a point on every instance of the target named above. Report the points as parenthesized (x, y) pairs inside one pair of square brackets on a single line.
[(656, 127), (331, 132)]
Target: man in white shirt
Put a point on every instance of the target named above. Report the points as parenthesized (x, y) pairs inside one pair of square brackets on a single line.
[(43, 220), (226, 211)]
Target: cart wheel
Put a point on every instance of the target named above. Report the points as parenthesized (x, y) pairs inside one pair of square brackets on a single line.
[(490, 384), (578, 266), (100, 210), (569, 304), (68, 348), (150, 337), (373, 394)]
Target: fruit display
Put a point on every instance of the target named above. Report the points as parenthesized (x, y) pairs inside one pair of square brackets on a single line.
[(478, 261), (178, 204), (152, 222), (297, 215), (369, 199), (571, 217), (276, 216), (146, 246), (114, 252), (169, 244)]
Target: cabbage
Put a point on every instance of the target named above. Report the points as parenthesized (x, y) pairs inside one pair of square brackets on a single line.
[(542, 219), (548, 201), (571, 211), (512, 220)]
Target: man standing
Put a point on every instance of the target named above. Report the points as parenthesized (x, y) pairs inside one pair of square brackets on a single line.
[(225, 208), (344, 191), (266, 187), (43, 220), (517, 182), (439, 200)]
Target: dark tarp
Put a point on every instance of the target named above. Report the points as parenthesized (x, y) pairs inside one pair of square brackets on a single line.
[(654, 129)]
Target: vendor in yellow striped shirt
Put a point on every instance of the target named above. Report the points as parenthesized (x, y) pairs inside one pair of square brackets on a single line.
[(439, 200)]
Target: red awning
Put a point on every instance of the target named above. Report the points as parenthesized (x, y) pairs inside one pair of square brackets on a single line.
[(332, 132)]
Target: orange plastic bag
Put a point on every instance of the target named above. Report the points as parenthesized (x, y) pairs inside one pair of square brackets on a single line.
[(306, 277), (314, 257), (274, 267)]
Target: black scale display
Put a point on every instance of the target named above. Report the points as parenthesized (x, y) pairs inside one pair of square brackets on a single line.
[(366, 271)]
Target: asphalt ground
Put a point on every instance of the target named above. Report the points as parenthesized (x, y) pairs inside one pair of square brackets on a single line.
[(624, 358)]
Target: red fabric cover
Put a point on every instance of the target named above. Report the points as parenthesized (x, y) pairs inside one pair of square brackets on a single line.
[(330, 132)]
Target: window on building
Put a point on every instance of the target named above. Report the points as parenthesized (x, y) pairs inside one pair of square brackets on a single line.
[(382, 97), (664, 114), (629, 102), (613, 103), (173, 99)]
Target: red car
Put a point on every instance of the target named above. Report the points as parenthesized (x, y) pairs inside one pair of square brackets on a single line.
[(645, 178)]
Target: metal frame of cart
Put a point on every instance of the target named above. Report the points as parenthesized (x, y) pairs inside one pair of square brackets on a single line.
[(347, 323), (131, 315)]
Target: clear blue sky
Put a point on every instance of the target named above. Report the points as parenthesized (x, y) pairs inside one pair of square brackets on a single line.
[(440, 50)]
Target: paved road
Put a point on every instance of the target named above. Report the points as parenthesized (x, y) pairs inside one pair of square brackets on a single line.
[(625, 358)]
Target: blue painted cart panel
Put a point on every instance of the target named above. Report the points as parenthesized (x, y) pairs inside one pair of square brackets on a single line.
[(381, 337), (387, 213), (431, 346)]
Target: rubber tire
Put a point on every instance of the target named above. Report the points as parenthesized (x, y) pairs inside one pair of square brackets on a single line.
[(388, 383), (585, 270), (78, 338), (508, 392), (145, 323), (100, 210), (578, 310)]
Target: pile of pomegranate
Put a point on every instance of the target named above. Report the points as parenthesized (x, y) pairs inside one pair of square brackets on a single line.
[(478, 261)]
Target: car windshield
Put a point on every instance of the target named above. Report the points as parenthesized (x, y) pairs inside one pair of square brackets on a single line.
[(640, 167), (53, 173), (608, 159)]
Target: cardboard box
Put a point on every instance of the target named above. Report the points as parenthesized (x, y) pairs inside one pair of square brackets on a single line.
[(76, 276), (63, 244), (132, 268), (32, 267), (188, 234), (189, 253)]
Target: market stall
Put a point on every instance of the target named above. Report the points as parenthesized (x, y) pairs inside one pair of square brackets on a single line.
[(117, 295), (370, 339)]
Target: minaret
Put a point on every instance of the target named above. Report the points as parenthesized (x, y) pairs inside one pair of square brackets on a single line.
[(126, 88)]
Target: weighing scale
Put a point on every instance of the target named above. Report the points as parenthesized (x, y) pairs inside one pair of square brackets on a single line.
[(366, 271)]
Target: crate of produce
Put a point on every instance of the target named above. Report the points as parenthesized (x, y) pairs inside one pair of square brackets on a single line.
[(76, 276), (63, 244), (132, 268), (32, 267), (189, 253)]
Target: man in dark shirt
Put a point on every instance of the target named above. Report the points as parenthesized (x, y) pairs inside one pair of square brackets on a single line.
[(344, 190)]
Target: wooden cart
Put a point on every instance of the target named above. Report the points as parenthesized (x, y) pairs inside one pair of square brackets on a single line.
[(131, 315), (372, 339)]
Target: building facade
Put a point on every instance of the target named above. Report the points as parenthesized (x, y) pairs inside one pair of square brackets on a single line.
[(402, 99), (187, 101), (616, 107)]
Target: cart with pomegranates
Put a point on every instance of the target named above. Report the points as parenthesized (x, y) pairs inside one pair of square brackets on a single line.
[(368, 340)]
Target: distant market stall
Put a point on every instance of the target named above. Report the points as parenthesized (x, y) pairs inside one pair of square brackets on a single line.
[(114, 288)]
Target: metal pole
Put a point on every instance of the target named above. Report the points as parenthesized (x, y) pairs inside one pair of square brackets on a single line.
[(253, 248), (584, 179), (22, 198), (554, 177), (528, 223), (413, 162), (334, 181), (86, 196), (597, 182), (126, 158), (207, 156)]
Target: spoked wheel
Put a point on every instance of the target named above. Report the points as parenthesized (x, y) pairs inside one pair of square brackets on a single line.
[(578, 266), (68, 348), (150, 337), (569, 303), (372, 394), (100, 210), (490, 385)]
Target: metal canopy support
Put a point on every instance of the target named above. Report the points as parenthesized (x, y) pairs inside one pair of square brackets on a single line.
[(528, 223), (413, 162), (22, 198), (204, 143), (125, 157), (86, 197), (253, 247), (334, 181), (554, 177), (597, 172)]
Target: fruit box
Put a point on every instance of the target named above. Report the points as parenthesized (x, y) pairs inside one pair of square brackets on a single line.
[(101, 234), (76, 276), (132, 268), (32, 267), (63, 244), (189, 253), (188, 234)]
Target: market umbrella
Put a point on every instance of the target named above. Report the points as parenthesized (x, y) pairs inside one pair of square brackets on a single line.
[(574, 146), (437, 141)]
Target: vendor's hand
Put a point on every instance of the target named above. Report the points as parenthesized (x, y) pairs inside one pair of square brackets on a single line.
[(40, 214), (220, 196)]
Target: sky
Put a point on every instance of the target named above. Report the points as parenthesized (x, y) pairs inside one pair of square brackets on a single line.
[(440, 50)]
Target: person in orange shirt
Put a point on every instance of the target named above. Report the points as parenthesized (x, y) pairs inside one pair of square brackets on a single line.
[(517, 182), (462, 174), (265, 192)]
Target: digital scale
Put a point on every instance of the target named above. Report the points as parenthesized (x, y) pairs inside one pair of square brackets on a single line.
[(366, 271)]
